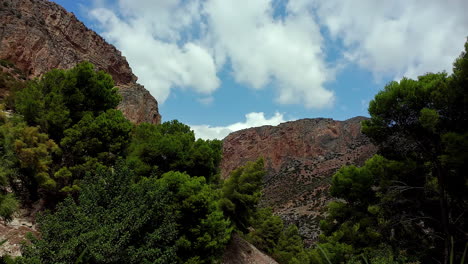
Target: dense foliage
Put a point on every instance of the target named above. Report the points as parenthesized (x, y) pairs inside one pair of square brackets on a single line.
[(174, 219), (411, 200), (269, 234), (91, 143), (61, 98), (67, 125), (27, 156), (241, 193), (8, 203), (172, 146), (117, 193), (121, 218)]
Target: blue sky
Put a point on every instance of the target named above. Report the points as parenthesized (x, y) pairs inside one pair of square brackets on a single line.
[(225, 65)]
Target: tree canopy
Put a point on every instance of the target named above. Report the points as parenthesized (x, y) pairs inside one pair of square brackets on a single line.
[(61, 98), (117, 192), (156, 149), (174, 219), (413, 196), (242, 192)]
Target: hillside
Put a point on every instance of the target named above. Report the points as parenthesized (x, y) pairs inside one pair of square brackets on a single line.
[(300, 158), (39, 35)]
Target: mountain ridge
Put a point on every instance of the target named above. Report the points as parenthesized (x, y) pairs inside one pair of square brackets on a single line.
[(40, 35), (300, 158)]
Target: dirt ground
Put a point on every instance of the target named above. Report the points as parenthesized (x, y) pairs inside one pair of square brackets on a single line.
[(240, 251), (14, 232)]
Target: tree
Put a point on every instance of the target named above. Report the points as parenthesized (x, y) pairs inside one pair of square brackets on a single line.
[(290, 247), (174, 219), (74, 108), (171, 146), (412, 197), (371, 210), (203, 229), (241, 193), (425, 121), (269, 234), (61, 98), (91, 143), (267, 229), (113, 222), (8, 203), (27, 157)]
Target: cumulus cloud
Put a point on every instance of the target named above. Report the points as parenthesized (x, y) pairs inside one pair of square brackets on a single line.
[(253, 119), (150, 40), (184, 44), (285, 51), (278, 44), (397, 38)]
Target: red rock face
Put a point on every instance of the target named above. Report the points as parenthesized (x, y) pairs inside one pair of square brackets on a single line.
[(300, 158), (39, 35)]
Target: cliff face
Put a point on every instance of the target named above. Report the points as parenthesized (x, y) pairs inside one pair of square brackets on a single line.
[(300, 158), (38, 35)]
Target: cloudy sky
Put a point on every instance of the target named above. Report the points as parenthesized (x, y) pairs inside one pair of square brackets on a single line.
[(225, 65)]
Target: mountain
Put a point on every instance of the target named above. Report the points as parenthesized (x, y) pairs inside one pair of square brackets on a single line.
[(300, 159), (38, 35)]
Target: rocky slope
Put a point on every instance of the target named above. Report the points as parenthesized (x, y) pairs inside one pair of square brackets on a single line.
[(39, 35), (14, 233), (300, 158), (239, 251)]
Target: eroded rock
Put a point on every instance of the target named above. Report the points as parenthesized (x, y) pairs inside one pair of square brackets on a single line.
[(39, 35), (300, 158)]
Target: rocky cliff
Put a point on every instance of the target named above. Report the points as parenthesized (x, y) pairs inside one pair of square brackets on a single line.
[(300, 158), (39, 35)]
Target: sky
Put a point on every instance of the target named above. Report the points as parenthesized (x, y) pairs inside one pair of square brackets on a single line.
[(225, 65)]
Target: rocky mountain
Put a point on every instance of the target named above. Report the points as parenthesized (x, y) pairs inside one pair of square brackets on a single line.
[(300, 158), (39, 35)]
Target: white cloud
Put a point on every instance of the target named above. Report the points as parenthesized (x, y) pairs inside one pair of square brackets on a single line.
[(285, 52), (166, 19), (206, 100), (153, 52), (185, 43), (398, 38), (253, 119)]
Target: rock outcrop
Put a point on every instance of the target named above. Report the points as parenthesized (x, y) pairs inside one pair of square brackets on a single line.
[(300, 158), (39, 35), (14, 233)]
